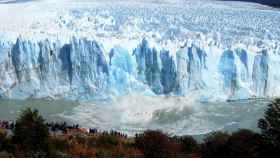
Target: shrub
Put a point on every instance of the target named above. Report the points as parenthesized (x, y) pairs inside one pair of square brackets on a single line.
[(5, 154), (78, 150), (244, 144), (214, 146), (3, 135), (107, 141), (59, 144), (270, 129), (6, 143), (188, 144), (155, 144), (270, 124)]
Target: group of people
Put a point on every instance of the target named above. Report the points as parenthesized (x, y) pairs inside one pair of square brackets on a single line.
[(112, 132), (64, 128), (115, 133)]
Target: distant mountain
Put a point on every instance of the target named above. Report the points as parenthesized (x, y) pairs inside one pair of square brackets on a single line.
[(274, 3)]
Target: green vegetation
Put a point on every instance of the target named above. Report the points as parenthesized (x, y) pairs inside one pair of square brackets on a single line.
[(31, 138)]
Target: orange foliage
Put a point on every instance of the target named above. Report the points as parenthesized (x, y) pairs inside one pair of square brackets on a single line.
[(81, 151)]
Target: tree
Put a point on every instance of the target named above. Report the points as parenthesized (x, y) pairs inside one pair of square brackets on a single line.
[(270, 124), (31, 133)]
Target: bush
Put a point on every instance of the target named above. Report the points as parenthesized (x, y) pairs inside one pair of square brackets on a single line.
[(214, 146), (155, 144), (6, 143), (81, 151), (270, 124), (188, 144), (31, 133), (5, 154), (270, 129), (107, 141), (3, 135), (59, 144), (244, 144), (119, 152)]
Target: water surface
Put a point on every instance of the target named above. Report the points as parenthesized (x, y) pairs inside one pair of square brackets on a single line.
[(135, 113)]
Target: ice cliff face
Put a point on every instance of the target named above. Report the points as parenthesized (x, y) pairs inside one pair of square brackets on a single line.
[(47, 69), (204, 50), (82, 69)]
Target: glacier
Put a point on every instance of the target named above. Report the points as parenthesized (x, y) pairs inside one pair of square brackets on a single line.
[(82, 69), (90, 50)]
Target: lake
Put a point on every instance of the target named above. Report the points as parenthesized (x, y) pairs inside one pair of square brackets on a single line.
[(135, 113)]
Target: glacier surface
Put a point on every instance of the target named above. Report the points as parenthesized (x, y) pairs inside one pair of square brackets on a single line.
[(94, 51)]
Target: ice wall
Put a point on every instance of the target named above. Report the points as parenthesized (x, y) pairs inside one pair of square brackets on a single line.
[(82, 69)]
